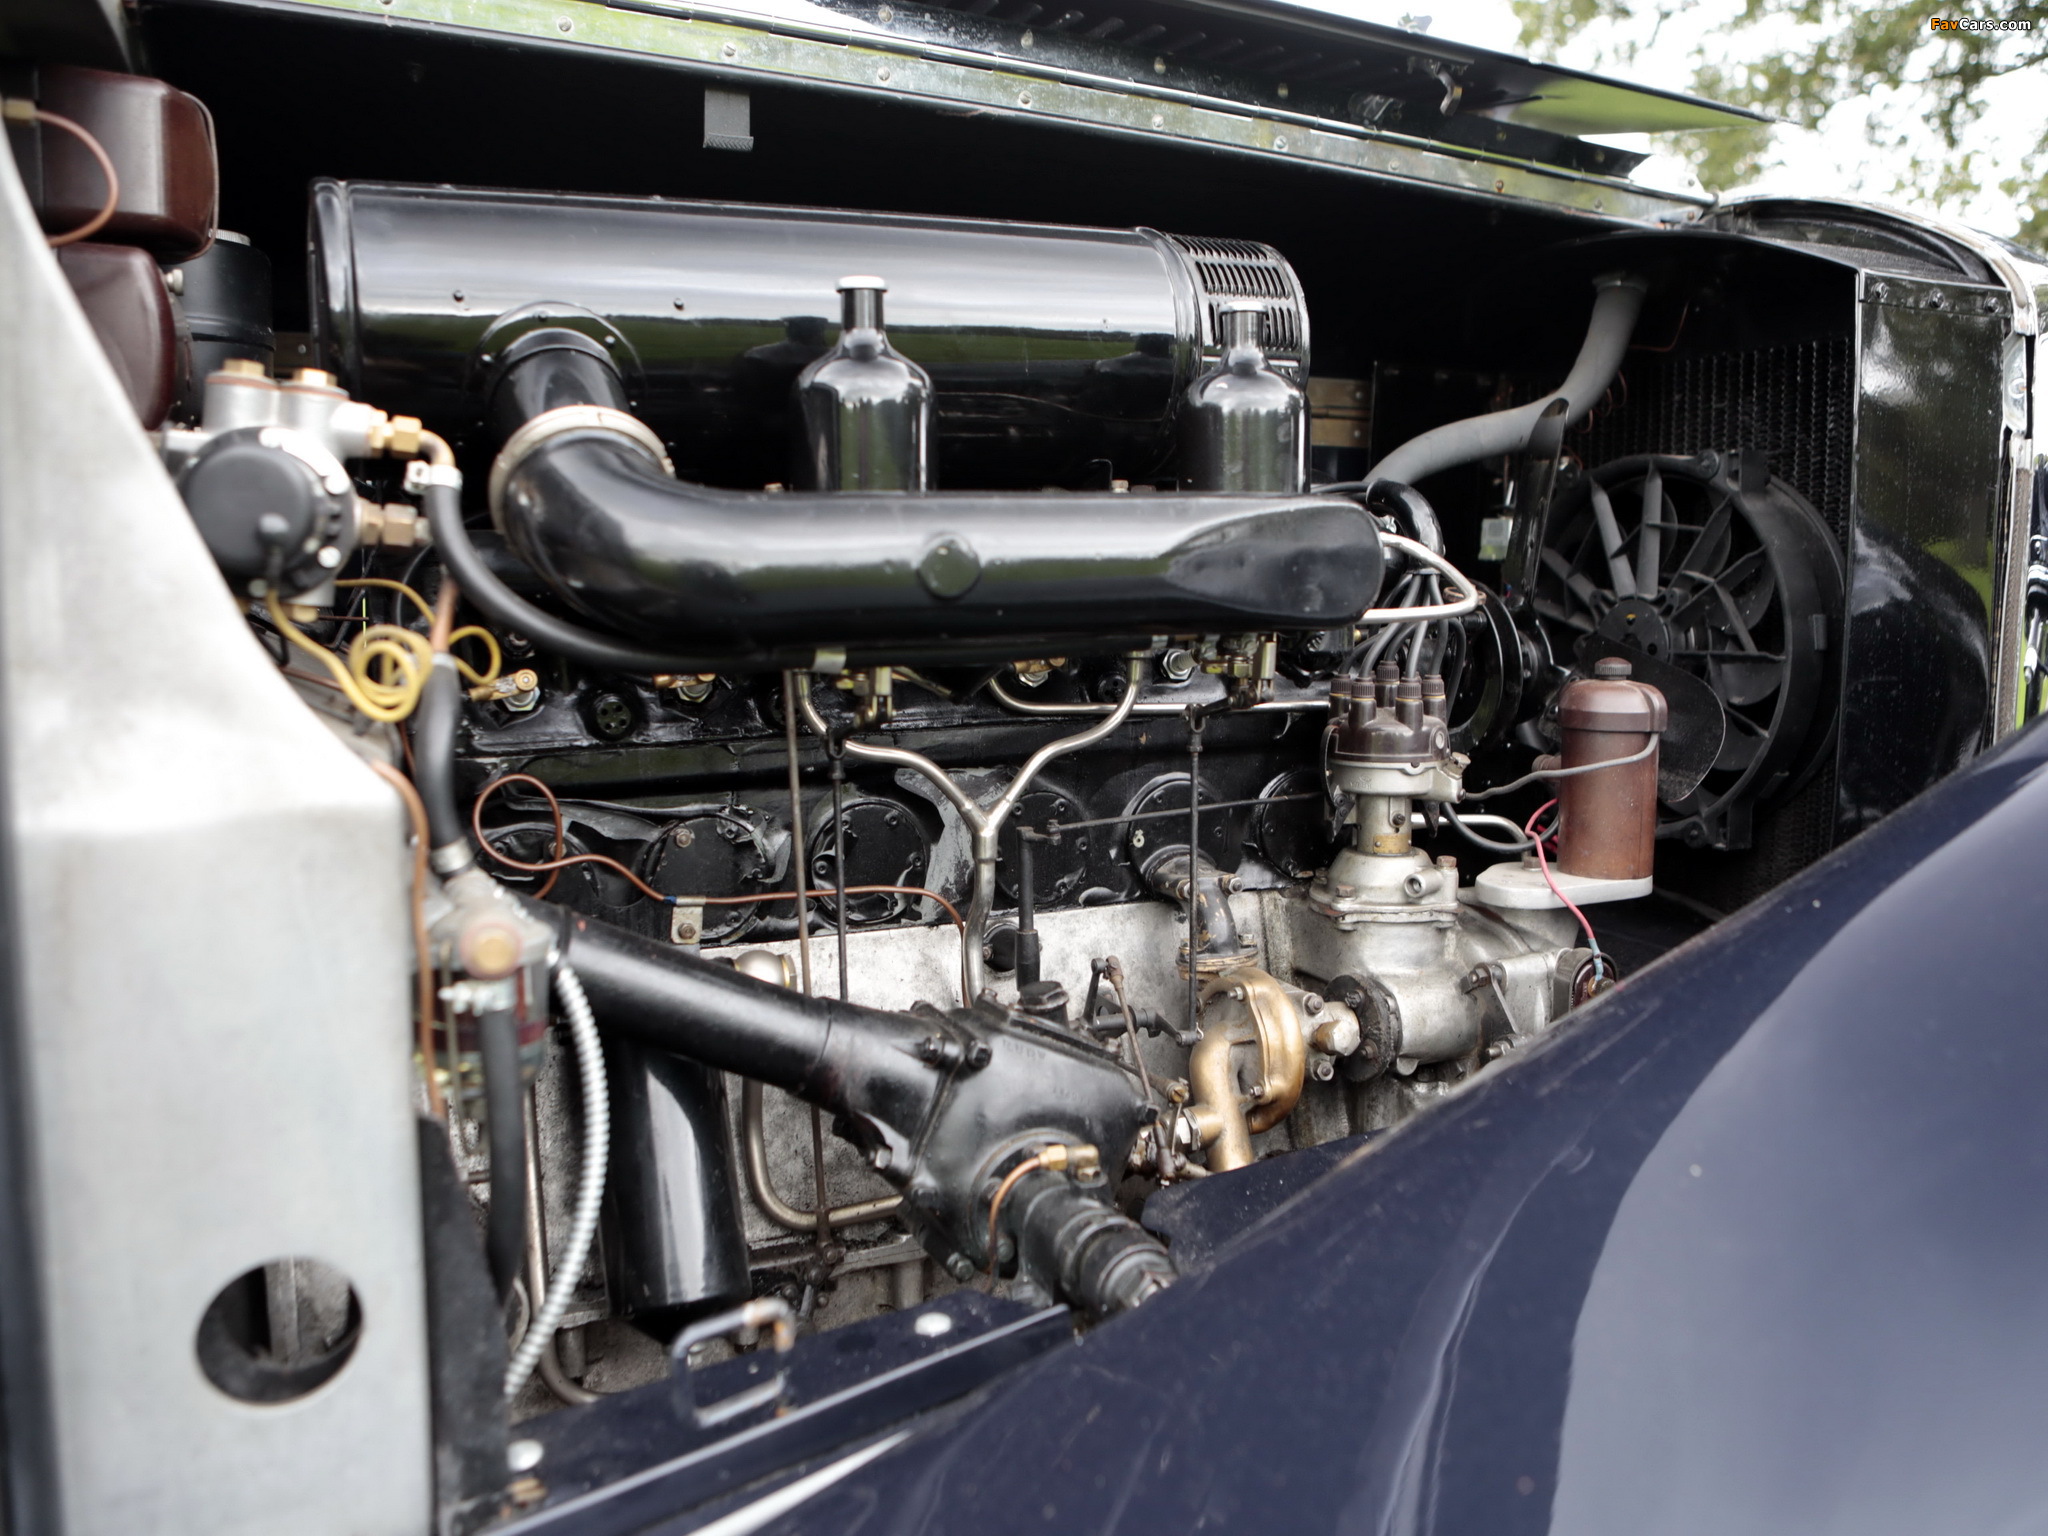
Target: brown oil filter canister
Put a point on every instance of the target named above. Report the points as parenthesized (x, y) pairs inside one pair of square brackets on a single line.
[(1608, 820)]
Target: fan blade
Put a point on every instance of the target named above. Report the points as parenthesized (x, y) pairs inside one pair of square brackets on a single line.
[(1619, 576), (1558, 613), (1744, 741), (1693, 740), (1650, 537), (1580, 586), (1710, 549), (1756, 601), (1745, 680)]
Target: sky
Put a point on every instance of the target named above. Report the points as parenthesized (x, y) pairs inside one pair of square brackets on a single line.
[(1837, 155)]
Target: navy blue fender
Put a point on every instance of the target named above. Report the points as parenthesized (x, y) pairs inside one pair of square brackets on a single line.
[(1759, 1243)]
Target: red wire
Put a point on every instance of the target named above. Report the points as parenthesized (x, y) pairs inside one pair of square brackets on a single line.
[(1543, 863)]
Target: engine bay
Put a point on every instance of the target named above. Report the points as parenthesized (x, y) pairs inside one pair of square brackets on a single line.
[(939, 716), (876, 660)]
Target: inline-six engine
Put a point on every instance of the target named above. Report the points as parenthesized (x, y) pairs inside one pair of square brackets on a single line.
[(979, 719)]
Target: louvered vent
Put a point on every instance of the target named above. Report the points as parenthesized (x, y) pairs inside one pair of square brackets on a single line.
[(1244, 269)]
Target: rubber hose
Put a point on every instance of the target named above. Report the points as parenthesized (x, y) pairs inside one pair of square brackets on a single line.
[(505, 1111), (433, 754), (1619, 302)]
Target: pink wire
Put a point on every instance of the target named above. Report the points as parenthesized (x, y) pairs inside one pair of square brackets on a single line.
[(1543, 864)]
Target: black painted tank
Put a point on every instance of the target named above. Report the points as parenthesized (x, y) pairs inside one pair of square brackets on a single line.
[(1058, 356)]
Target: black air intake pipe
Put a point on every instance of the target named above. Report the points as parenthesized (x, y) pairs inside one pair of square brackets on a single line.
[(941, 1103), (582, 494)]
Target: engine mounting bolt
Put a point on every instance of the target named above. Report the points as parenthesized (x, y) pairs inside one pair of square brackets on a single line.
[(1311, 1003), (960, 1267), (684, 837)]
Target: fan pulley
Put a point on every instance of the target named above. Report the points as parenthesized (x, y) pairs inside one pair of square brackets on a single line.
[(1720, 585)]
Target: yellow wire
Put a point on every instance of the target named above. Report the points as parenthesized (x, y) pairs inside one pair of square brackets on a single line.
[(381, 701), (404, 652), (478, 632), (389, 585), (472, 631)]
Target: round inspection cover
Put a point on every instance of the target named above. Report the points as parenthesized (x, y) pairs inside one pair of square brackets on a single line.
[(1169, 793), (1291, 827), (587, 888), (1056, 867), (886, 844), (711, 853)]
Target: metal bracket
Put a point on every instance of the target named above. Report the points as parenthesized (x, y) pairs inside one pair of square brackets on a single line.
[(686, 923), (420, 473), (770, 1312)]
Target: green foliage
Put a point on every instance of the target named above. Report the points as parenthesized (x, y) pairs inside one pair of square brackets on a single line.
[(1803, 58)]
